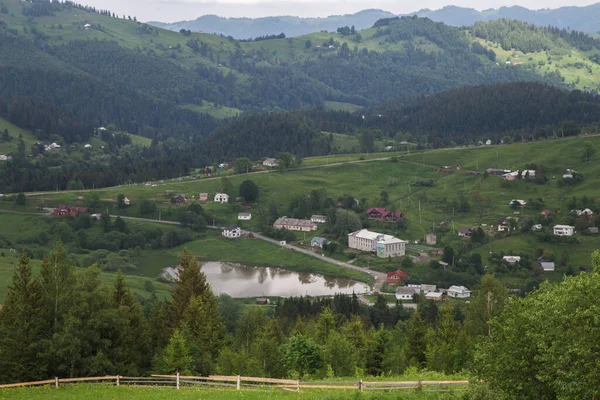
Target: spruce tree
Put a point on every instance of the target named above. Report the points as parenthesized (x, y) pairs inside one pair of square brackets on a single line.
[(20, 327), (191, 282)]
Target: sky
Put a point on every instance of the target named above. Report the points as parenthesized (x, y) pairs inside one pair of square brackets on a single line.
[(179, 10)]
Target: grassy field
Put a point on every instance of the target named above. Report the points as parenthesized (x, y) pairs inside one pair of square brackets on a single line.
[(14, 131), (216, 111), (337, 106), (102, 392)]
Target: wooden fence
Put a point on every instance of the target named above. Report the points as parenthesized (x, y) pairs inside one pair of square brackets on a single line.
[(238, 382)]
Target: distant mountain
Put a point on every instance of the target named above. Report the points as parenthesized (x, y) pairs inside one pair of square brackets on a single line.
[(245, 28), (585, 19)]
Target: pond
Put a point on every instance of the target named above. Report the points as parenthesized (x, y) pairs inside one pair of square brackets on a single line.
[(239, 280)]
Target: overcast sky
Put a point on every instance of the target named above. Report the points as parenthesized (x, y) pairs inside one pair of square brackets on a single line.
[(178, 10)]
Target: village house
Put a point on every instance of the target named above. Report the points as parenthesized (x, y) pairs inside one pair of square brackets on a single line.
[(459, 292), (426, 288), (263, 301), (232, 232), (126, 201), (293, 224), (405, 293), (563, 230), (383, 245), (62, 210), (494, 171), (518, 203), (3, 157), (321, 219), (203, 197), (511, 176), (433, 296), (180, 199), (397, 277), (583, 213), (244, 216), (536, 228), (431, 239), (488, 142), (546, 265), (503, 225), (221, 198), (381, 214), (270, 162), (528, 174), (52, 146), (511, 259), (465, 232), (319, 242)]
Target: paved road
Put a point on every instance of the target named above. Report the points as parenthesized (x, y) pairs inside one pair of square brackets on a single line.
[(378, 276)]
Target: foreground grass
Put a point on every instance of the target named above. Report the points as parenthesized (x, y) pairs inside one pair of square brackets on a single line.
[(101, 392)]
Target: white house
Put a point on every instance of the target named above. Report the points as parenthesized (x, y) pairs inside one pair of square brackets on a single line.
[(406, 292), (221, 198), (586, 213), (231, 232), (126, 201), (546, 265), (87, 27), (519, 203), (563, 230), (488, 142), (88, 146), (512, 259), (294, 224), (244, 216), (459, 292), (318, 242), (511, 176), (3, 157), (536, 227), (270, 162), (528, 174), (318, 219)]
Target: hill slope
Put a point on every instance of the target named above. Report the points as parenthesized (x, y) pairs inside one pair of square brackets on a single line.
[(244, 28), (585, 19)]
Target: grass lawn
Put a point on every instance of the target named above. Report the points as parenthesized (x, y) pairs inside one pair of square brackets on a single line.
[(217, 111), (104, 392), (14, 132)]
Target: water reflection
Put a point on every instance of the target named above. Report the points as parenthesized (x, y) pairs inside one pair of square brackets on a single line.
[(242, 281)]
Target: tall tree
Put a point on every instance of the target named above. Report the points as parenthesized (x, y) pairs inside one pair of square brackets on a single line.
[(190, 283), (20, 327), (416, 341)]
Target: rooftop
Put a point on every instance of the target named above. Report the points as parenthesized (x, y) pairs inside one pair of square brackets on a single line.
[(380, 237)]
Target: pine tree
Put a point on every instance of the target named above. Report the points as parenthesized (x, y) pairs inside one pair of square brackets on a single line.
[(191, 282), (416, 342), (20, 327), (177, 357)]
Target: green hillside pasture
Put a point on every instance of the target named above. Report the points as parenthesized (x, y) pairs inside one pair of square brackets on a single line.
[(103, 392), (140, 140), (216, 111), (337, 106), (14, 131), (350, 143)]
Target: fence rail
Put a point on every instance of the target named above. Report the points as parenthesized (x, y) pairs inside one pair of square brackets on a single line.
[(184, 381)]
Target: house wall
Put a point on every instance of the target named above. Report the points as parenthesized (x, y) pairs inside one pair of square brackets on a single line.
[(360, 243), (394, 250), (459, 295)]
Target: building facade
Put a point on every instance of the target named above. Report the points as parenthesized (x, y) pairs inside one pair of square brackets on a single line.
[(232, 232), (293, 224), (384, 245)]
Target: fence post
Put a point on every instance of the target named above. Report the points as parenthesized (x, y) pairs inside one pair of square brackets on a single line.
[(239, 383), (298, 385), (56, 381), (177, 380), (118, 380)]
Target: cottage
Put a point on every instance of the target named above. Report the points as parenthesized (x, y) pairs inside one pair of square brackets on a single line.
[(459, 292), (546, 265), (319, 242), (62, 210), (180, 199), (431, 239), (244, 216), (503, 225), (221, 198), (126, 201), (536, 227), (488, 142), (87, 146), (383, 214), (465, 232), (232, 232), (397, 277), (270, 162), (563, 230), (320, 219), (517, 203), (87, 27), (203, 197), (511, 176), (433, 296), (528, 174), (511, 259), (425, 288), (384, 245), (293, 224), (405, 293), (3, 157), (263, 301)]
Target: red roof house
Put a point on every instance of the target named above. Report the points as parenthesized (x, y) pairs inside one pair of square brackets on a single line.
[(383, 214), (397, 277)]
